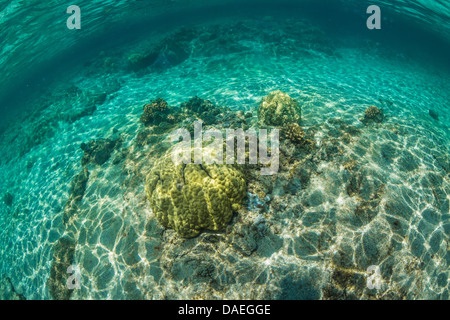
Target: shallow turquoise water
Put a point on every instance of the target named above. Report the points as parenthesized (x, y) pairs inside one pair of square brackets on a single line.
[(380, 197)]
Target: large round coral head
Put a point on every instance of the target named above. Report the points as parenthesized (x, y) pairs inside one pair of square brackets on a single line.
[(192, 197)]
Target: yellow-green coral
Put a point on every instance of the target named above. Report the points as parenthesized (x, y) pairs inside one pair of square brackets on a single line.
[(278, 109), (193, 197)]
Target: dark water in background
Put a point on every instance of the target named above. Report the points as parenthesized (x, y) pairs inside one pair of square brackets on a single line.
[(367, 195), (421, 31)]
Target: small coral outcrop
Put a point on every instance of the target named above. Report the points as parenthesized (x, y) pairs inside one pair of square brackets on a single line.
[(279, 109), (155, 112), (293, 132), (373, 114), (297, 136), (192, 197)]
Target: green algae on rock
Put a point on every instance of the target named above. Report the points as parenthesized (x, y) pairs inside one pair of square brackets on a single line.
[(279, 109), (192, 197)]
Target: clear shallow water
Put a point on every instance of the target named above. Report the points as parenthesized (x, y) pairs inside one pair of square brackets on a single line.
[(380, 198)]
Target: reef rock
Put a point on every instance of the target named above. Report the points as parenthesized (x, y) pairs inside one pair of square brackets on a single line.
[(63, 257), (373, 114), (191, 197), (293, 132), (155, 112), (434, 114), (7, 290), (279, 109), (77, 190), (97, 151), (8, 199), (202, 109), (166, 53)]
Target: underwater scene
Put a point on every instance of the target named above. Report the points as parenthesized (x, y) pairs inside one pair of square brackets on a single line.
[(262, 150)]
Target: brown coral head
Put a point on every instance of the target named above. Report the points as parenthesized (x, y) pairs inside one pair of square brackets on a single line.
[(154, 111), (374, 114), (372, 111)]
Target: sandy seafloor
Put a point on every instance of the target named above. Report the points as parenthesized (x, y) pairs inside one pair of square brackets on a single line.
[(373, 194)]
